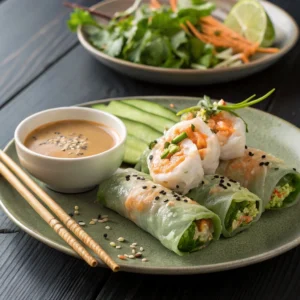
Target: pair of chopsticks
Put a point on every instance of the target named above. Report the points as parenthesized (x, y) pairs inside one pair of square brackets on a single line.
[(7, 166)]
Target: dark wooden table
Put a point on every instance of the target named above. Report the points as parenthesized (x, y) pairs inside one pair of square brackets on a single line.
[(42, 66)]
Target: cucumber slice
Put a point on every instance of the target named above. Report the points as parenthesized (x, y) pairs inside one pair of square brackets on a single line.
[(137, 129), (124, 110), (153, 108), (134, 148)]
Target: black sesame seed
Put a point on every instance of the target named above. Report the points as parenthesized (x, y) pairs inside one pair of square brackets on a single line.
[(142, 178), (222, 177), (127, 178), (162, 192), (246, 147), (262, 163), (231, 180), (228, 184), (177, 186), (151, 157), (105, 235), (185, 200), (154, 186), (157, 198), (263, 156), (134, 175), (222, 181), (216, 176), (267, 163), (295, 169), (166, 200), (71, 214), (202, 182), (144, 187), (178, 198), (138, 178), (251, 154), (99, 217), (276, 169)]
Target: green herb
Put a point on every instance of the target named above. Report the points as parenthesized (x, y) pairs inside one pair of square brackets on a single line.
[(173, 149), (152, 144), (167, 144), (165, 153), (193, 127), (206, 108), (179, 138)]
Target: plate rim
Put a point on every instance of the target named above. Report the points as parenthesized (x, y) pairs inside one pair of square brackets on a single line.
[(188, 270), (267, 60)]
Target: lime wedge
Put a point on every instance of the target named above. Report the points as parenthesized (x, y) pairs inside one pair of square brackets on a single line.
[(248, 18)]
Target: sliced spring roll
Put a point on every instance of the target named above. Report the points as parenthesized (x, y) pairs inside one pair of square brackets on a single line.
[(236, 206), (180, 224), (266, 176)]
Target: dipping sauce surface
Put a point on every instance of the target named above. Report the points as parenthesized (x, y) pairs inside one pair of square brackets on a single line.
[(71, 139)]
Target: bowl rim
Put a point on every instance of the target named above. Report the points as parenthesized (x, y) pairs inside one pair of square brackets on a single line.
[(252, 64), (122, 134)]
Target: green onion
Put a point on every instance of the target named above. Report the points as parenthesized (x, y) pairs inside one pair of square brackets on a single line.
[(152, 144), (167, 144), (173, 149), (165, 153), (193, 127), (179, 138)]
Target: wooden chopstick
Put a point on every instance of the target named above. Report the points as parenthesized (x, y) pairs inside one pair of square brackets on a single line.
[(90, 10), (47, 216), (59, 212)]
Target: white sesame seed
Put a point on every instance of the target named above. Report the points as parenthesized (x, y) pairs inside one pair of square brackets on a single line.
[(141, 249), (118, 247), (121, 239), (92, 223), (126, 255), (113, 244), (144, 259), (132, 246), (76, 212), (133, 251), (131, 256), (107, 227), (76, 207), (102, 220), (95, 220), (81, 223)]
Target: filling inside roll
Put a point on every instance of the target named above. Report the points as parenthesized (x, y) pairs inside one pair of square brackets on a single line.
[(240, 214), (197, 236), (285, 191)]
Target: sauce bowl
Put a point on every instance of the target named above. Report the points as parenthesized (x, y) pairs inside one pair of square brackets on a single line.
[(71, 175)]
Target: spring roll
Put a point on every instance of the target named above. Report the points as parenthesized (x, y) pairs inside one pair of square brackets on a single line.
[(266, 176), (180, 224), (237, 208)]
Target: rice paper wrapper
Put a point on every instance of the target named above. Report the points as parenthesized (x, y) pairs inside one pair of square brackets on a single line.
[(260, 173), (166, 219), (217, 193)]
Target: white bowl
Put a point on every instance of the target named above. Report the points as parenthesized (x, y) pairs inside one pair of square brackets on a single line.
[(71, 175)]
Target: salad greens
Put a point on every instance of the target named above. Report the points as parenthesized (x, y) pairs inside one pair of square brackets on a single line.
[(151, 37)]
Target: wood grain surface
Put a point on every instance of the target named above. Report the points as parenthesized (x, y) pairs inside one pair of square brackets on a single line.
[(42, 66)]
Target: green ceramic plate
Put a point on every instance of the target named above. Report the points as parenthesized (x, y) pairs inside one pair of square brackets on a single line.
[(275, 233)]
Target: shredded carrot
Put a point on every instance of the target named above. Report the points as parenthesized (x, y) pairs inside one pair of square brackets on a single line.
[(217, 34), (154, 4), (173, 4), (267, 50)]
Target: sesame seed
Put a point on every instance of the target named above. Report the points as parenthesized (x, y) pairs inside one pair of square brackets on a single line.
[(81, 223), (118, 247), (167, 200), (71, 215), (126, 255), (121, 239), (92, 222), (157, 198), (267, 163), (113, 244), (177, 186), (143, 178), (231, 180), (138, 178), (134, 244), (251, 154), (107, 227), (154, 186), (131, 256), (185, 200), (95, 220), (141, 249), (133, 251), (246, 147), (99, 216), (144, 187), (261, 163), (178, 198), (76, 207), (138, 255), (222, 177), (127, 178), (121, 257), (105, 235), (144, 260), (295, 169), (134, 175), (228, 184), (202, 182), (151, 157), (162, 192), (263, 156), (76, 212), (216, 176), (276, 169), (222, 181)]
